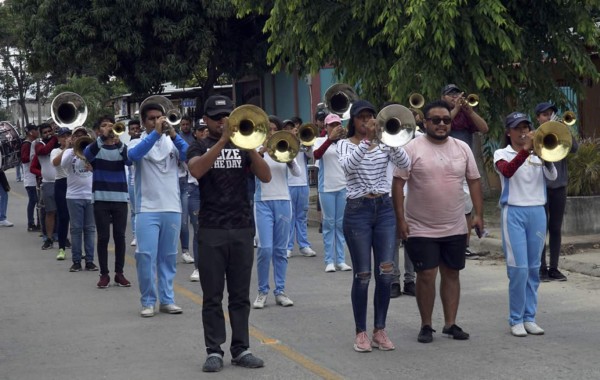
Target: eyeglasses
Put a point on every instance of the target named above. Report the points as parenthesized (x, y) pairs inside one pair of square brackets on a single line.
[(437, 120), (218, 117)]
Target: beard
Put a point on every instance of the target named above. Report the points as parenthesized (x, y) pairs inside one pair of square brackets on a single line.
[(433, 135)]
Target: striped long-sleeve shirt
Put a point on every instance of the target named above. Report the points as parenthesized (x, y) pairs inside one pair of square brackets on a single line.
[(366, 170), (108, 161)]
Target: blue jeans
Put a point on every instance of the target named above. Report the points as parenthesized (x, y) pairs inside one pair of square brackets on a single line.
[(332, 205), (193, 210), (32, 195), (156, 255), (81, 213), (299, 200), (184, 235), (370, 225), (3, 203), (273, 226), (132, 208)]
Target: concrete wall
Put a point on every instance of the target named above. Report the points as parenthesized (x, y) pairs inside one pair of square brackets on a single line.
[(582, 216)]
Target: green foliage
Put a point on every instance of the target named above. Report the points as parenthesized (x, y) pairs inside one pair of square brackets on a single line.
[(584, 169)]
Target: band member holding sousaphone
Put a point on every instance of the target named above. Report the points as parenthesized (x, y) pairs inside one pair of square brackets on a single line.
[(108, 157), (225, 225), (369, 222)]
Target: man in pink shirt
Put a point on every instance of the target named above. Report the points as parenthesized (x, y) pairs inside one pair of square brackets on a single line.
[(432, 221)]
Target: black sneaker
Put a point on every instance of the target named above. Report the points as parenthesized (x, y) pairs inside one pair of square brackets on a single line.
[(33, 228), (469, 255), (247, 360), (395, 291), (48, 244), (555, 275), (544, 275), (213, 363), (455, 332), (409, 288), (76, 267), (426, 334), (68, 244), (91, 267)]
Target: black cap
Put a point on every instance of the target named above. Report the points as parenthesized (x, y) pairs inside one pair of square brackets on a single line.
[(515, 119), (218, 104), (450, 88), (545, 106), (288, 121), (361, 105), (321, 115)]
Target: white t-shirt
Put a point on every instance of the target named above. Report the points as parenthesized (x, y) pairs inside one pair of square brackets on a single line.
[(302, 179), (60, 172), (277, 188), (28, 177), (79, 179), (331, 174)]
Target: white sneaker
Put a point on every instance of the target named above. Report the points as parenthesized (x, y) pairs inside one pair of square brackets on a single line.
[(330, 268), (518, 330), (308, 252), (344, 267), (134, 242), (5, 223), (195, 277), (261, 300), (147, 311), (533, 328), (187, 258), (289, 253), (283, 300)]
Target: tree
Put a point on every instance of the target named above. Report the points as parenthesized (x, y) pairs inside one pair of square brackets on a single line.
[(145, 45)]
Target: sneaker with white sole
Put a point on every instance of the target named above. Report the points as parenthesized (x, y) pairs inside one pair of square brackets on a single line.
[(533, 328), (518, 330), (134, 242), (186, 257), (343, 267), (283, 300), (289, 253), (362, 343), (195, 276), (381, 341), (307, 252), (330, 268), (61, 254), (147, 311), (6, 223), (261, 300)]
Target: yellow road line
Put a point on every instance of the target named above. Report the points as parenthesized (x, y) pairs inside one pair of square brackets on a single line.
[(275, 344)]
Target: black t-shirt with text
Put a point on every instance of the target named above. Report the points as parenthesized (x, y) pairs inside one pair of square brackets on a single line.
[(224, 200)]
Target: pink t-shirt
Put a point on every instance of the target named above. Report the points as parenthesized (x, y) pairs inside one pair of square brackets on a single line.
[(435, 205)]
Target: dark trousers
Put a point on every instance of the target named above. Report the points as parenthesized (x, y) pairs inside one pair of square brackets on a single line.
[(555, 210), (106, 213), (33, 199), (62, 211), (225, 255)]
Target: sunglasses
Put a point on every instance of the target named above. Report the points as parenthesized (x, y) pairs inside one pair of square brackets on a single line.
[(218, 117), (437, 120)]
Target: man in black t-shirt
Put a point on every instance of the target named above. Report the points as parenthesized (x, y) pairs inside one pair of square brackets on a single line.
[(225, 233)]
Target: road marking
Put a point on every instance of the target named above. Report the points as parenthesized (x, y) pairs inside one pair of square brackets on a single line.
[(275, 344)]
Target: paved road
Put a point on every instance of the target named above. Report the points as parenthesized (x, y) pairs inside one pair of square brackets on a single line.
[(57, 325)]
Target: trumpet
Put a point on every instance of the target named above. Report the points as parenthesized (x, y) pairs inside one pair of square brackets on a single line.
[(307, 134), (283, 146), (173, 115), (339, 98), (568, 118), (79, 146), (249, 126), (118, 128), (68, 110), (472, 100), (416, 100), (552, 141), (396, 125)]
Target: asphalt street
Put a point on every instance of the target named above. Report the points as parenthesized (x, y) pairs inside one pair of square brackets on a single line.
[(57, 325)]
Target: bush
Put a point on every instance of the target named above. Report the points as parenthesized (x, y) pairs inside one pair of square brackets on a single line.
[(584, 169)]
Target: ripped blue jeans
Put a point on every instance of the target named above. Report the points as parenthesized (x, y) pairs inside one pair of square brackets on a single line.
[(370, 226)]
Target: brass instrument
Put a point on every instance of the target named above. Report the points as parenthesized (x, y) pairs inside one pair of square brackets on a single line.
[(472, 100), (416, 100), (249, 126), (172, 114), (568, 118), (283, 146), (396, 125), (552, 141), (118, 128), (307, 134), (68, 110), (339, 98), (80, 144)]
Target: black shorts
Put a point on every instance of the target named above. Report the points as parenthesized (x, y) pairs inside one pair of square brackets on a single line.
[(426, 253)]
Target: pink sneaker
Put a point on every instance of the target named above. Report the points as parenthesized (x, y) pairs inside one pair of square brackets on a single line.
[(381, 341), (362, 343)]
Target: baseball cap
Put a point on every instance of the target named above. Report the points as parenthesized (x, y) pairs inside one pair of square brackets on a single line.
[(320, 115), (63, 131), (332, 118), (450, 88), (361, 105), (545, 106), (515, 118), (288, 121), (80, 129), (31, 127), (218, 104)]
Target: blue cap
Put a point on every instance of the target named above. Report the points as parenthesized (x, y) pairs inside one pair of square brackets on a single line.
[(359, 106), (515, 118), (545, 106), (63, 131)]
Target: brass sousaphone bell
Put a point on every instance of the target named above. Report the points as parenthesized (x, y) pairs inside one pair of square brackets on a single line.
[(68, 110), (283, 146), (552, 141), (396, 125), (339, 98), (249, 126)]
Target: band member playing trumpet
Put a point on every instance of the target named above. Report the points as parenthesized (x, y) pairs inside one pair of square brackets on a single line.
[(369, 223), (108, 157), (523, 177), (225, 233)]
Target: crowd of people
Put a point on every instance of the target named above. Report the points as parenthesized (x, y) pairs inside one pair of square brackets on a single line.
[(425, 196)]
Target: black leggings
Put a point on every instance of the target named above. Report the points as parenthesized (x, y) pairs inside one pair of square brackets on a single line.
[(555, 209), (106, 213)]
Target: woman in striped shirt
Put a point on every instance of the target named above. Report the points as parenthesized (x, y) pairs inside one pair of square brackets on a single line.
[(369, 221)]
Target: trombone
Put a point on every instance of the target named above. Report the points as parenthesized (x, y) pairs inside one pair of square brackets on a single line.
[(283, 146), (68, 110), (339, 98), (396, 125), (249, 126)]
